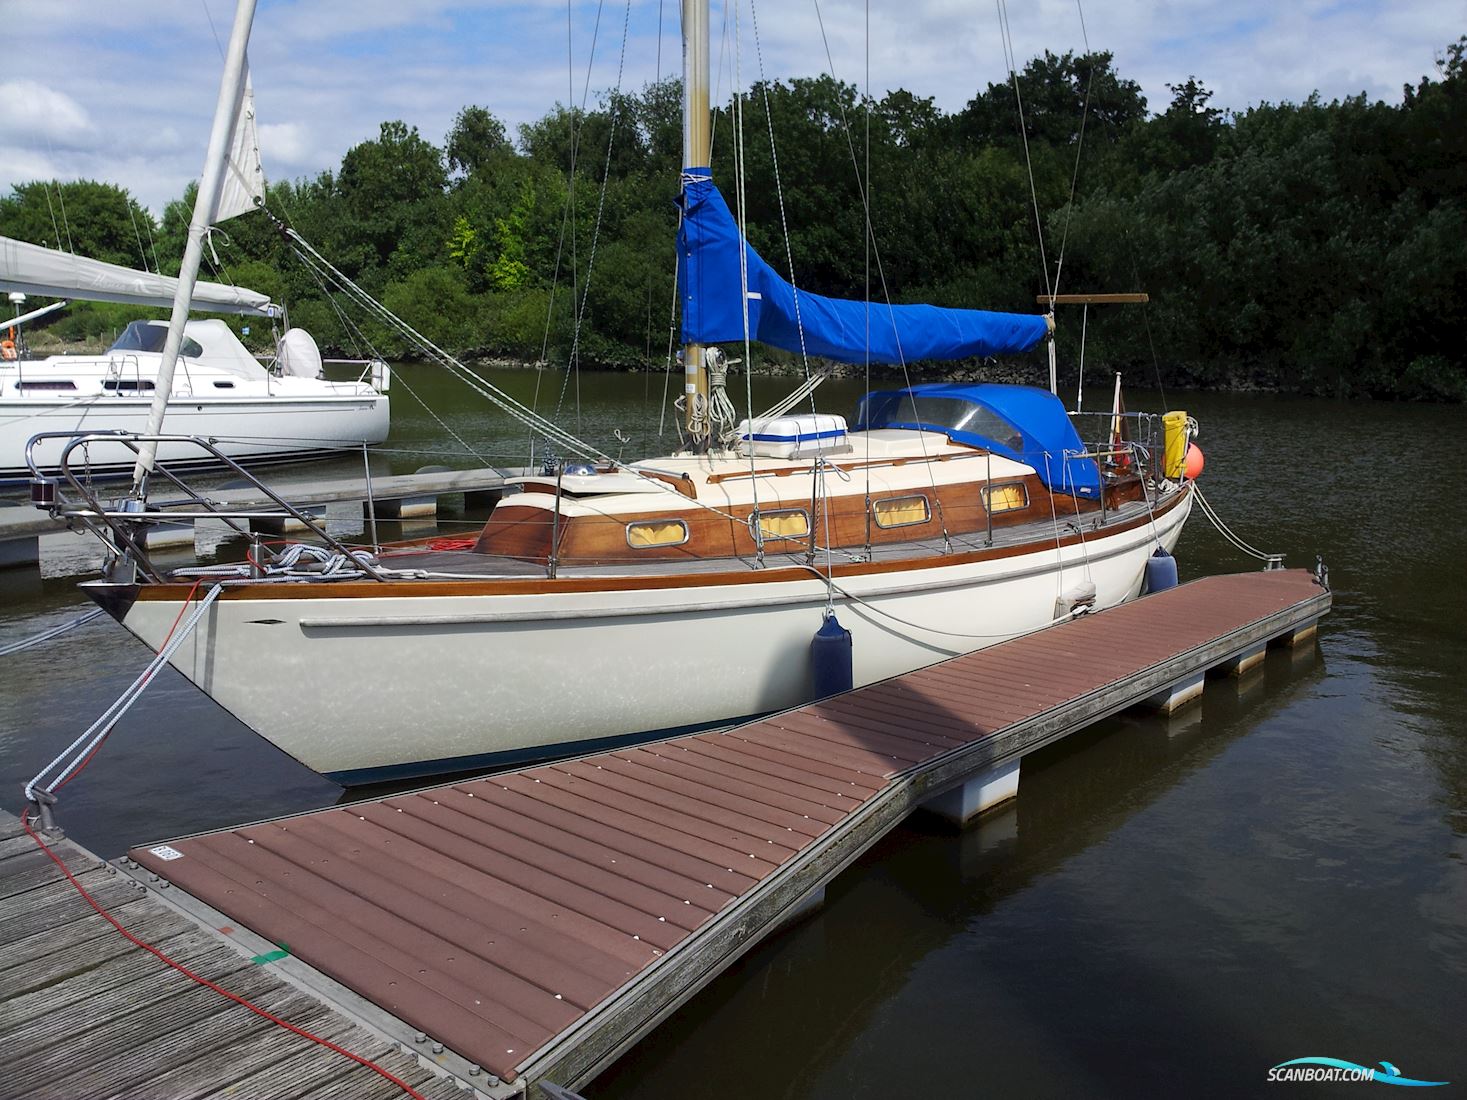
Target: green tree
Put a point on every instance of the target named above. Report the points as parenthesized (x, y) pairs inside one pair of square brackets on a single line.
[(476, 140), (98, 220), (393, 206)]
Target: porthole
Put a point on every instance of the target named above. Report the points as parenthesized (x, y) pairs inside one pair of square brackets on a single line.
[(792, 523), (650, 534), (1010, 497), (900, 511)]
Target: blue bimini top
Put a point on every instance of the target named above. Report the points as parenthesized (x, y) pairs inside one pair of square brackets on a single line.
[(716, 266), (1024, 423)]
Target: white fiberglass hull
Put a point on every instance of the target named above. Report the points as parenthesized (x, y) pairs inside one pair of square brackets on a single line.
[(365, 688), (246, 429)]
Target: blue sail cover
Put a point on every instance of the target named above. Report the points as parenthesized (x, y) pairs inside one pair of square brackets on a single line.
[(710, 286), (1024, 423)]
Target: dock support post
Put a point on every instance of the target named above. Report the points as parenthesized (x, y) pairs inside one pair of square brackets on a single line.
[(285, 525), (961, 804), (21, 551), (406, 507), (482, 498), (1179, 695), (1302, 635), (414, 507), (157, 536), (1246, 661)]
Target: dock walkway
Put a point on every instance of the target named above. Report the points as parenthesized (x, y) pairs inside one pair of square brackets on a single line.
[(536, 923), (84, 1013)]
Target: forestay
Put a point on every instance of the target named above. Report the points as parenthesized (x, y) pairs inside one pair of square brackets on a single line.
[(710, 286)]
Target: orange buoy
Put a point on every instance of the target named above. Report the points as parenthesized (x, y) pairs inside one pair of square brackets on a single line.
[(1195, 462)]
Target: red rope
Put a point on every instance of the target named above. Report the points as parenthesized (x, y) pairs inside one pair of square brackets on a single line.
[(219, 989), (185, 971)]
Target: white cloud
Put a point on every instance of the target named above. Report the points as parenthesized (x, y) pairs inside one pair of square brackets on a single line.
[(136, 107), (289, 145), (32, 110)]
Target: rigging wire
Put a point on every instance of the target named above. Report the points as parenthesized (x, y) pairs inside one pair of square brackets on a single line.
[(784, 227), (360, 341), (756, 520), (61, 201), (875, 249), (517, 409), (866, 242), (567, 218), (1006, 36), (1079, 148), (574, 362), (132, 216)]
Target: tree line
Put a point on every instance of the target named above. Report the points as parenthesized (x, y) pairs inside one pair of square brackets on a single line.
[(1314, 247)]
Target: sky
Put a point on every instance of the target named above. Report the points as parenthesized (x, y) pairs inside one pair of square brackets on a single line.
[(123, 90)]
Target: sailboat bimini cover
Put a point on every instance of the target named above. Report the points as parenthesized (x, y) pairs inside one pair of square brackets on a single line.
[(710, 287), (1024, 423)]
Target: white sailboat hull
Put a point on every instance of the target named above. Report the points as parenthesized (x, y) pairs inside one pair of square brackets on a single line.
[(247, 429), (367, 688)]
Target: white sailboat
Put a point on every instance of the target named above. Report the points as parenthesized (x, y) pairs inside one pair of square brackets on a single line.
[(612, 600), (256, 413)]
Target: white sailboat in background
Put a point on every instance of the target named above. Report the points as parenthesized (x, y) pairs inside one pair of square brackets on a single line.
[(609, 600), (256, 412)]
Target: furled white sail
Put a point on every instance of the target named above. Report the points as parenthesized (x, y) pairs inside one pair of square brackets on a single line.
[(35, 270), (243, 185)]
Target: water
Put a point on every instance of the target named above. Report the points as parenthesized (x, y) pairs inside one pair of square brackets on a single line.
[(1169, 908)]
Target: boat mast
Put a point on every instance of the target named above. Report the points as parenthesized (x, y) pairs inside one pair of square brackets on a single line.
[(231, 87), (697, 151)]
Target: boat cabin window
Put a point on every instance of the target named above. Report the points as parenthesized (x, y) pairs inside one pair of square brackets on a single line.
[(791, 523), (900, 511), (141, 336), (932, 413), (1010, 497), (224, 385), (127, 385), (25, 387), (647, 534)]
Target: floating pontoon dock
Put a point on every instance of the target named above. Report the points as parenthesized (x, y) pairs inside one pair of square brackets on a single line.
[(529, 927)]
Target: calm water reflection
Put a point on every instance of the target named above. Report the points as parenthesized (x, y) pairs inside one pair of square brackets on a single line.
[(1168, 909)]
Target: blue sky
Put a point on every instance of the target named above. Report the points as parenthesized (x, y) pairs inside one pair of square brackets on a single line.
[(123, 91)]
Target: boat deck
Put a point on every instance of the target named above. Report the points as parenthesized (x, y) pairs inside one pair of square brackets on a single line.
[(540, 921), (467, 563)]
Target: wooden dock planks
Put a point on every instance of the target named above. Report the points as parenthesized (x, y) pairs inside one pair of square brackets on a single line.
[(539, 921), (85, 1013)]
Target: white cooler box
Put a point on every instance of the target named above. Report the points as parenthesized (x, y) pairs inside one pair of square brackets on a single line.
[(792, 436)]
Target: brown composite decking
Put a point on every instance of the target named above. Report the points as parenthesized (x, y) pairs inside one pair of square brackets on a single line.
[(516, 916)]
